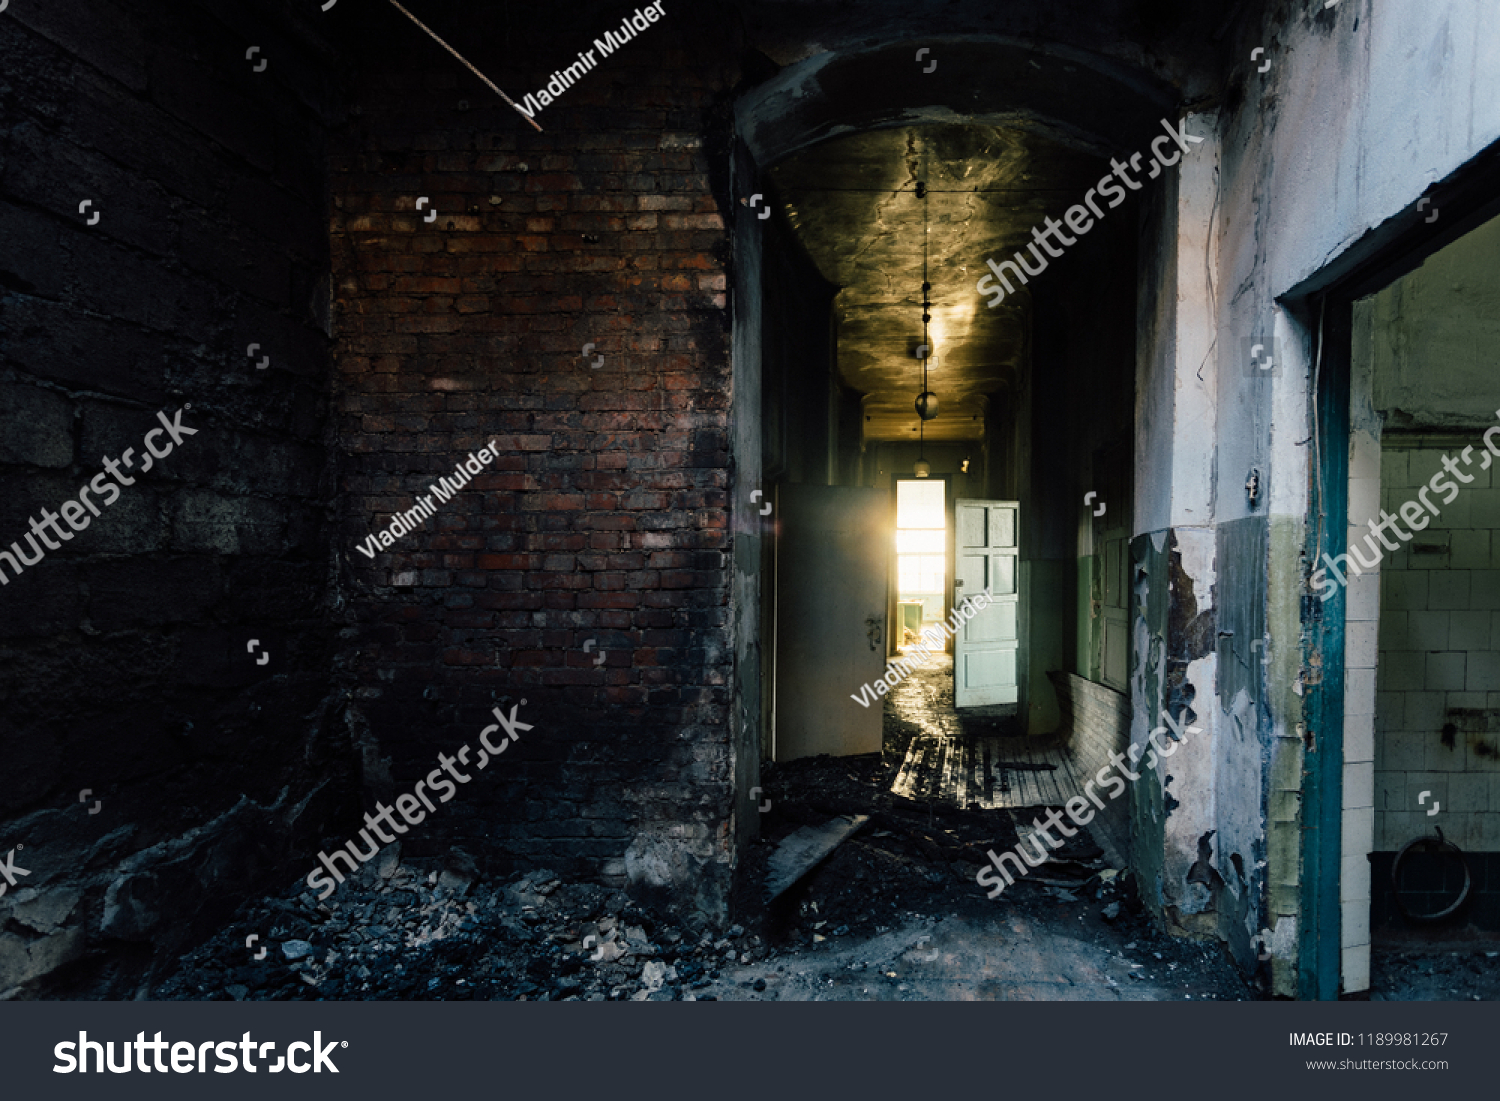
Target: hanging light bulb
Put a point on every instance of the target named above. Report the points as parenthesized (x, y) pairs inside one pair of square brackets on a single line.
[(927, 402)]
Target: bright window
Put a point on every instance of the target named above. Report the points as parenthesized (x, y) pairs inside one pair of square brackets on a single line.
[(921, 573), (921, 537)]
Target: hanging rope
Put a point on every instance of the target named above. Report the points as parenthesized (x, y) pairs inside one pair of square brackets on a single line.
[(471, 68)]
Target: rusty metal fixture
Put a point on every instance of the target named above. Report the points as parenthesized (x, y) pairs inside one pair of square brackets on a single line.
[(1441, 846)]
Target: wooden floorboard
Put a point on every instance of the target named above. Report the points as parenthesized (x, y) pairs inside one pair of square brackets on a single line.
[(976, 767), (979, 771)]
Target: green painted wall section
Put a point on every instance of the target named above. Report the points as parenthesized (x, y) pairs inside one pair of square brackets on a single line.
[(1085, 662), (1284, 777), (1050, 644)]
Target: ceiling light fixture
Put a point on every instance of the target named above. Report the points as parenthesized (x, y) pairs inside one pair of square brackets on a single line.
[(927, 402)]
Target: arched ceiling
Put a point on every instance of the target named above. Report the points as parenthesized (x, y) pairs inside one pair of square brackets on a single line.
[(852, 202)]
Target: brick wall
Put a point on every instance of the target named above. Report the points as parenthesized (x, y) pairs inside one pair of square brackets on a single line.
[(604, 516), (123, 661), (1095, 725)]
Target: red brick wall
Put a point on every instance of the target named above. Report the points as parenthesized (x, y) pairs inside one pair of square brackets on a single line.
[(604, 515)]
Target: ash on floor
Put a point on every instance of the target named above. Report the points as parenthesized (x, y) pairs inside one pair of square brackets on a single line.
[(399, 932), (893, 913), (1469, 975)]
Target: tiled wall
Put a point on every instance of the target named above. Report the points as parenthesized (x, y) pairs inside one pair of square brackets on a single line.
[(1362, 619), (1440, 660), (1096, 724)]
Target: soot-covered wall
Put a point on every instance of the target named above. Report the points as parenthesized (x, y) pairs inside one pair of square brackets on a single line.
[(162, 208), (567, 304)]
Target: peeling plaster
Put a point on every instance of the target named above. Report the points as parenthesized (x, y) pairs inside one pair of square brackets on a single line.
[(1198, 567)]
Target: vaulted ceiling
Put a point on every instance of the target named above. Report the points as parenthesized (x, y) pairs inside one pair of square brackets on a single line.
[(852, 200)]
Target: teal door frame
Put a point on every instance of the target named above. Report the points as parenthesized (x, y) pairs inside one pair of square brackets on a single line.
[(1318, 958), (1324, 306)]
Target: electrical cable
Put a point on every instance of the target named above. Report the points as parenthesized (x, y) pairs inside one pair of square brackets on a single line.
[(471, 68)]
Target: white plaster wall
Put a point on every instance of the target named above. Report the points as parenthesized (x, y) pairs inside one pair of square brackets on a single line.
[(1435, 337), (1365, 106), (1177, 438), (1195, 420), (1394, 97)]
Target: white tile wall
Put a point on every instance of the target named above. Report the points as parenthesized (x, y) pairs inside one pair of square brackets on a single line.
[(1359, 784), (1367, 470), (1439, 645), (1359, 739), (1356, 968), (1354, 878), (1430, 611)]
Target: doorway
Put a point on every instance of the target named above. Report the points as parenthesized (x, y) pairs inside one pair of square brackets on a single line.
[(921, 558), (1405, 697)]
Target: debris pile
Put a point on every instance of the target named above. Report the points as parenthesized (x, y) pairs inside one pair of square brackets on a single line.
[(1470, 973), (889, 909), (395, 931)]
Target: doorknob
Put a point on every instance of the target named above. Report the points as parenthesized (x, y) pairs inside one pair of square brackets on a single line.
[(874, 629)]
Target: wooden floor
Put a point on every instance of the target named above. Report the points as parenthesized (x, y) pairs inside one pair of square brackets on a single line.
[(974, 757), (987, 773)]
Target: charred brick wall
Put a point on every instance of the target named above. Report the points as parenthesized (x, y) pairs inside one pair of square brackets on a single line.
[(123, 652), (604, 515)]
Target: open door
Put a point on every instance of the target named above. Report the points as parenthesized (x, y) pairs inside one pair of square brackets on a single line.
[(987, 649), (832, 570)]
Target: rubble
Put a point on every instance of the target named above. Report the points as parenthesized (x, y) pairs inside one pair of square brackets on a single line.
[(400, 931), (858, 925), (1422, 974)]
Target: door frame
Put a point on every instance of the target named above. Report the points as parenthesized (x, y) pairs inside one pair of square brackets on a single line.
[(892, 618), (1323, 307)]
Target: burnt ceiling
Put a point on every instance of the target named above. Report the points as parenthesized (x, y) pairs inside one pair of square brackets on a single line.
[(852, 201)]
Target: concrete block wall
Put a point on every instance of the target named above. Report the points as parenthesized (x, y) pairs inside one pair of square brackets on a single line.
[(605, 515), (124, 667), (1437, 714)]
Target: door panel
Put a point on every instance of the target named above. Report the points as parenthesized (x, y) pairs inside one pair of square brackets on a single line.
[(1114, 659), (833, 569), (986, 650)]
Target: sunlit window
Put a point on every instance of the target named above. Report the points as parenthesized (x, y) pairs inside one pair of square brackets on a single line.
[(921, 537), (921, 573)]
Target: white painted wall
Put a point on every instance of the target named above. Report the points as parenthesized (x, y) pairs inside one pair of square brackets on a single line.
[(1364, 107)]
